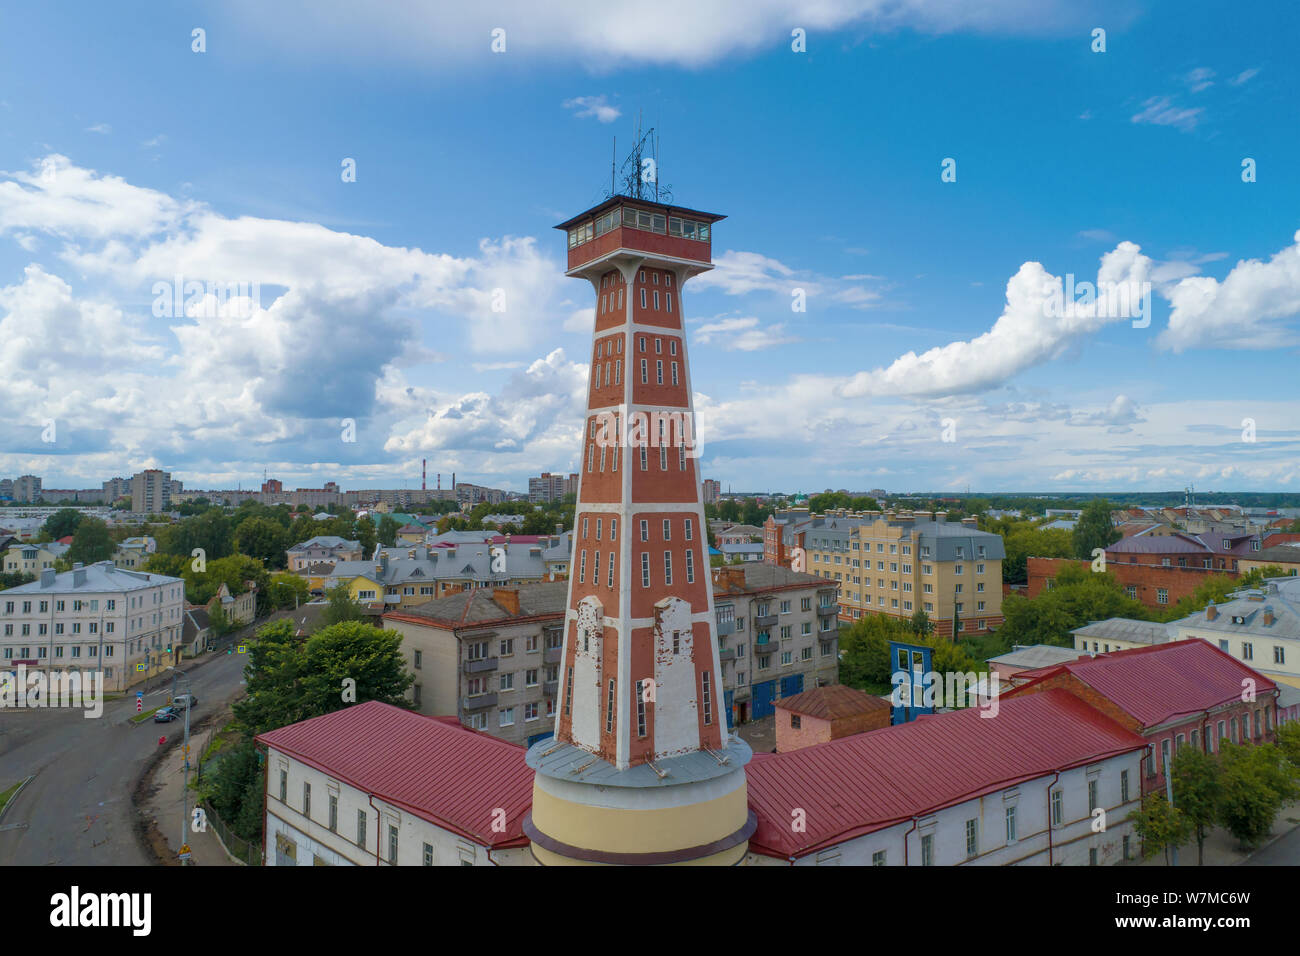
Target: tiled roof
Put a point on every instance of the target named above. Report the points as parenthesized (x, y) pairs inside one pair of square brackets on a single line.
[(441, 772), (832, 702), (477, 606), (1158, 683), (855, 785)]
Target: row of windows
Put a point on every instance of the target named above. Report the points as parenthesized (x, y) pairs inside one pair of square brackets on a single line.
[(74, 651), (639, 219), (481, 650), (60, 627), (1227, 730)]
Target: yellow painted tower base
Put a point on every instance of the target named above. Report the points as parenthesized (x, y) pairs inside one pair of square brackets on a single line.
[(696, 814)]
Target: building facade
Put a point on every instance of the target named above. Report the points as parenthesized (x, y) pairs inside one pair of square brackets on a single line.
[(94, 618), (901, 563), (151, 491)]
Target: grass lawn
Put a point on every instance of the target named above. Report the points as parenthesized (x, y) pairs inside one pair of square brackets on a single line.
[(4, 797), (140, 718)]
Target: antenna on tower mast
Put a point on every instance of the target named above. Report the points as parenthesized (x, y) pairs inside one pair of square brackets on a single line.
[(638, 178)]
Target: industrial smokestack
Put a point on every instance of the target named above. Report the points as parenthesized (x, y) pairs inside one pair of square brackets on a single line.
[(424, 474)]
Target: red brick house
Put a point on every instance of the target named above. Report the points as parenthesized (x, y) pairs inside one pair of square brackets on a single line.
[(1169, 694)]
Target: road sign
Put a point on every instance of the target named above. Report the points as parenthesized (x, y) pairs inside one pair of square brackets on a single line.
[(139, 667), (139, 704), (241, 649), (185, 851), (185, 749)]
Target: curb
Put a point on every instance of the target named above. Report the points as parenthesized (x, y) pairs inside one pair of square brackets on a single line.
[(14, 799)]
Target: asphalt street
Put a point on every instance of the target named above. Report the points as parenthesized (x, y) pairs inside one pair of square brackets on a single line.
[(77, 810)]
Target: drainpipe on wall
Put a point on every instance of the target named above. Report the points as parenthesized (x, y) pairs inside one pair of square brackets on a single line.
[(266, 783), (905, 836), (379, 826), (1055, 779)]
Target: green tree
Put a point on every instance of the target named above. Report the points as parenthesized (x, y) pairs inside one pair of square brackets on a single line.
[(274, 675), (262, 538), (1159, 825), (356, 656), (341, 607), (1288, 744), (1095, 529), (236, 785), (287, 590), (1023, 540), (1256, 782), (366, 534), (219, 622), (92, 542), (1078, 597), (388, 531), (62, 523), (921, 623), (1197, 792), (11, 579), (171, 565), (209, 531)]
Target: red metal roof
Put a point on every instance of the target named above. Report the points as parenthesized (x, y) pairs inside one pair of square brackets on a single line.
[(1161, 682), (440, 771), (855, 785)]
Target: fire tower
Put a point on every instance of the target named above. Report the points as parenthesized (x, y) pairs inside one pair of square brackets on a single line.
[(642, 768)]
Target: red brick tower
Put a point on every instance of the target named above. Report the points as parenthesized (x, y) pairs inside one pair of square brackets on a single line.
[(640, 679)]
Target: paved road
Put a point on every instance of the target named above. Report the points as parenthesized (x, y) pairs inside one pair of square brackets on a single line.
[(1284, 852), (78, 810)]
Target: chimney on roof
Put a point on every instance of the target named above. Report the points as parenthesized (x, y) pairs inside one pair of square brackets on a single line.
[(940, 517), (47, 577), (508, 598), (971, 520), (729, 577), (410, 552), (1211, 612), (1268, 615), (78, 575)]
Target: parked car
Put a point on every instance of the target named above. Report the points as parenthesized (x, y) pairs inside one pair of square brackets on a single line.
[(164, 714), (182, 701)]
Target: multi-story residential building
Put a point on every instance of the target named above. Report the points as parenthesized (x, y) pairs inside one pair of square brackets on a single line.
[(27, 488), (151, 491), (97, 617), (1258, 626), (778, 635), (31, 558), (352, 788), (711, 489), (322, 548), (549, 487), (134, 552), (489, 656), (1183, 692), (6, 489), (784, 538), (901, 563), (116, 488)]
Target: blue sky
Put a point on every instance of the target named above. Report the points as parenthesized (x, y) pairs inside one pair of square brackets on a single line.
[(126, 158)]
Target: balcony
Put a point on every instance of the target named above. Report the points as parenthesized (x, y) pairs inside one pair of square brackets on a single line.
[(766, 647), (481, 702), (481, 665), (550, 687), (727, 654), (552, 655), (726, 625), (764, 620)]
